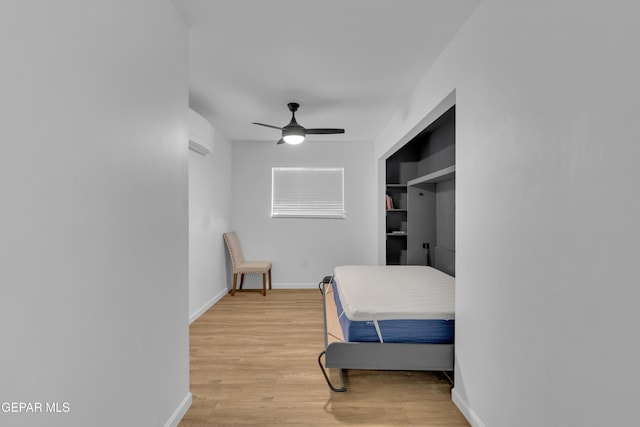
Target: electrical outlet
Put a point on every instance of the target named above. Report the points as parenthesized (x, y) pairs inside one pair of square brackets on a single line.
[(305, 262)]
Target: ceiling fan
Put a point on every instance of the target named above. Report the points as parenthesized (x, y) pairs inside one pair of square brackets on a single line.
[(293, 133)]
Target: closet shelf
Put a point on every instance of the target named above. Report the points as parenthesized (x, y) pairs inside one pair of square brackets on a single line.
[(444, 174)]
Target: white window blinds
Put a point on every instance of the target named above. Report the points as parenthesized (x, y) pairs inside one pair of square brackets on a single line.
[(307, 192)]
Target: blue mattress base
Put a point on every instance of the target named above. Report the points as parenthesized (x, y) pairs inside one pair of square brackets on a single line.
[(396, 331)]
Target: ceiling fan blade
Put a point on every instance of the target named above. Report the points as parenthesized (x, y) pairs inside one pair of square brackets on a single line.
[(324, 131), (269, 126), (280, 141)]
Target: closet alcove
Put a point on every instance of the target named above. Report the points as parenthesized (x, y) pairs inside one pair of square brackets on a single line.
[(420, 207)]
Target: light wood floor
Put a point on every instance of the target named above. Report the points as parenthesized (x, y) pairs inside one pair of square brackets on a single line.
[(254, 362)]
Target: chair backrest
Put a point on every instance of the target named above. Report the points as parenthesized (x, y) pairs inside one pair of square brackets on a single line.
[(235, 251)]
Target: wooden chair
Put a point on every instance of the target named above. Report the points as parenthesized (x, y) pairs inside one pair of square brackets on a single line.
[(242, 267)]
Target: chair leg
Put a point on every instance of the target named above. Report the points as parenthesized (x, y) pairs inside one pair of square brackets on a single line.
[(264, 285), (269, 278), (235, 279), (241, 280)]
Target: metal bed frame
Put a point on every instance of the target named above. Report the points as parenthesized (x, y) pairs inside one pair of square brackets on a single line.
[(377, 355)]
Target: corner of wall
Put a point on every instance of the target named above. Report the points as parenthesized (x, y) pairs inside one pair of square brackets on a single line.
[(466, 410), (180, 411)]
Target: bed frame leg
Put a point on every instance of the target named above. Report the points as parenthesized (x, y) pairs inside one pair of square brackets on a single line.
[(342, 387), (326, 377)]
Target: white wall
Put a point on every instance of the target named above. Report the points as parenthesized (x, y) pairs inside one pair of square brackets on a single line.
[(547, 210), (209, 217), (287, 242), (93, 178)]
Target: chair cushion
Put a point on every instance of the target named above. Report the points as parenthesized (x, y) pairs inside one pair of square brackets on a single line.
[(254, 267)]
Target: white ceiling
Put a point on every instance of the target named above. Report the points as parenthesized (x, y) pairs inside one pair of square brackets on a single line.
[(349, 63)]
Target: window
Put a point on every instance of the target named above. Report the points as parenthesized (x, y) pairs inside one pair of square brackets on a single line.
[(307, 192)]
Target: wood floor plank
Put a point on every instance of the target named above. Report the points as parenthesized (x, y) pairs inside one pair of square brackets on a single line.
[(254, 363)]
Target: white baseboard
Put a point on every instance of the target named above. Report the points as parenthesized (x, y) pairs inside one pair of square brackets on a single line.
[(283, 286), (199, 312), (466, 410), (180, 411), (295, 285)]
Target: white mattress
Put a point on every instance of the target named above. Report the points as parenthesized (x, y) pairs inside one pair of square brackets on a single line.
[(376, 292)]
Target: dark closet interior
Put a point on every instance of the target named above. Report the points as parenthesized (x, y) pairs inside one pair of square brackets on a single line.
[(420, 208)]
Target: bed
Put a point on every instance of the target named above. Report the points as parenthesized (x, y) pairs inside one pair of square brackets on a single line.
[(388, 318)]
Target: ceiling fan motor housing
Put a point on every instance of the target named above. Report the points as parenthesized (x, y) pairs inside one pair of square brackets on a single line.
[(293, 128)]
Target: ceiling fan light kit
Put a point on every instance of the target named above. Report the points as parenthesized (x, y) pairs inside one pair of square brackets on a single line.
[(293, 139), (293, 133)]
